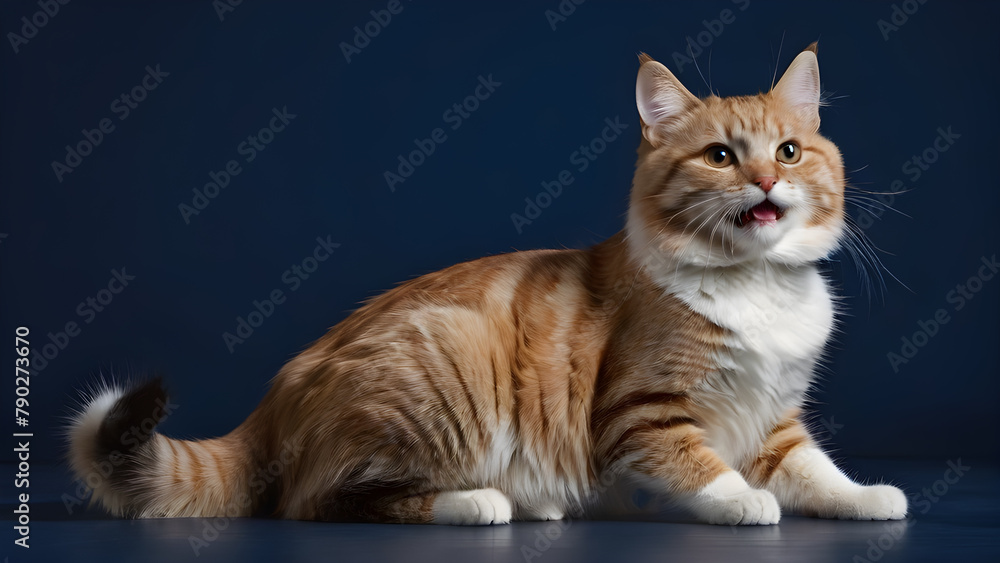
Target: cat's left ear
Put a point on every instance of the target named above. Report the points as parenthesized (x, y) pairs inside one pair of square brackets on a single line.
[(799, 87)]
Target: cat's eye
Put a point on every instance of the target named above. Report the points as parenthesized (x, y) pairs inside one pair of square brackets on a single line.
[(718, 156), (789, 153)]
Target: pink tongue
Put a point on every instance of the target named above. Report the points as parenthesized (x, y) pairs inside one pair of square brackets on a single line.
[(765, 211)]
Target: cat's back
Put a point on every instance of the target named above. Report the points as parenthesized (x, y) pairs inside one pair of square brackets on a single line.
[(486, 326), (516, 286)]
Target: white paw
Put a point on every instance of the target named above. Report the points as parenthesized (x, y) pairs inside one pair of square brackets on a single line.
[(478, 507), (729, 500), (541, 513), (876, 502)]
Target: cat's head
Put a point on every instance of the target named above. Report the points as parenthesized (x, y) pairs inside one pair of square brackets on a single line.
[(723, 181)]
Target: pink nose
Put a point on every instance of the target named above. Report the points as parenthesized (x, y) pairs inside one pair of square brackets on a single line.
[(765, 182)]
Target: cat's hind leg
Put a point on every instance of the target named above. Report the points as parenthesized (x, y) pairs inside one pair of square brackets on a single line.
[(542, 513), (805, 480), (471, 508), (477, 507)]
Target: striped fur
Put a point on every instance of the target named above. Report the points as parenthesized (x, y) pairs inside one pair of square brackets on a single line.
[(675, 354)]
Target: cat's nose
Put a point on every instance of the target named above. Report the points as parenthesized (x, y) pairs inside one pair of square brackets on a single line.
[(765, 182)]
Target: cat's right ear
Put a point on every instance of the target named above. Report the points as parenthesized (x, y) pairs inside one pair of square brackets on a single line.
[(661, 98)]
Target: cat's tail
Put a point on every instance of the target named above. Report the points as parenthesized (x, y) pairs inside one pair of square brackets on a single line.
[(134, 471)]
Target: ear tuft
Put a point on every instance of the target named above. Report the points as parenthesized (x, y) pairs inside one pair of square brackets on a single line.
[(814, 47), (644, 58)]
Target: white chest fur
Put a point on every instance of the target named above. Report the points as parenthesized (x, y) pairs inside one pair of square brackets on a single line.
[(779, 319)]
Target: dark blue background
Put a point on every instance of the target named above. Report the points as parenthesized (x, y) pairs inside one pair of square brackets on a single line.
[(323, 175)]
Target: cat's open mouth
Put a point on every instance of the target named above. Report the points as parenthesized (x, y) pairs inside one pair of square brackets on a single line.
[(764, 213)]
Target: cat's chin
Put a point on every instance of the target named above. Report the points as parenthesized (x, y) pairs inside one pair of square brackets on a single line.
[(756, 236), (804, 245), (777, 241), (782, 235)]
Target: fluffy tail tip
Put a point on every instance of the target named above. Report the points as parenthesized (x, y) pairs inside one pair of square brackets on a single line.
[(107, 435)]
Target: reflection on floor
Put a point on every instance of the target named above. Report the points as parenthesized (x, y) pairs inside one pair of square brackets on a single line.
[(956, 521)]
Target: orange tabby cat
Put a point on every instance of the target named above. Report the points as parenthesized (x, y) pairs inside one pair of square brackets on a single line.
[(676, 353)]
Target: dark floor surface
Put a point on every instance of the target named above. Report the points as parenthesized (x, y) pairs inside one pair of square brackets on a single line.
[(958, 522)]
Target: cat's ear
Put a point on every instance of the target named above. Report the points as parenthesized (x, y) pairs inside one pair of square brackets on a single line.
[(660, 97), (799, 87)]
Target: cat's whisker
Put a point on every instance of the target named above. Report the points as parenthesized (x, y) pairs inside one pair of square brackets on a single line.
[(859, 200), (732, 236), (876, 204), (695, 59), (864, 265), (710, 72), (865, 256), (854, 188), (871, 207), (724, 215), (690, 207), (693, 236), (776, 59), (827, 98)]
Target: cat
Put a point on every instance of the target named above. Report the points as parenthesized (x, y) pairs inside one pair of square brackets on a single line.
[(676, 354)]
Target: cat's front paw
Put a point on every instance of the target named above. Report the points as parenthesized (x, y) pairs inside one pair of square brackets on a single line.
[(729, 500), (875, 502)]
